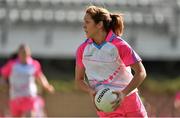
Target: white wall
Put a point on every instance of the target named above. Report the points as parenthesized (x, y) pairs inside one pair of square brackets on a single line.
[(149, 43)]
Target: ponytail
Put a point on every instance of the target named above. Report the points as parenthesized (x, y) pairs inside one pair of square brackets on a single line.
[(111, 21), (117, 23)]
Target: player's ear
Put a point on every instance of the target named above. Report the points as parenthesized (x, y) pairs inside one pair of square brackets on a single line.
[(100, 25)]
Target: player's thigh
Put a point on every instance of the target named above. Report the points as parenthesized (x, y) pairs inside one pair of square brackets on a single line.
[(138, 114), (135, 107), (27, 114)]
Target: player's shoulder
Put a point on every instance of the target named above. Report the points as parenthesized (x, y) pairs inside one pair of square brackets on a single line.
[(83, 44), (11, 61), (119, 41), (35, 61)]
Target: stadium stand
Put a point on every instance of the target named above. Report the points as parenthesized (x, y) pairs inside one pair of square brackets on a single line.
[(152, 26)]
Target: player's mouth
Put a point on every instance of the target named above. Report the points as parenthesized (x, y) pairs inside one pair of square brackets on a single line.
[(85, 31)]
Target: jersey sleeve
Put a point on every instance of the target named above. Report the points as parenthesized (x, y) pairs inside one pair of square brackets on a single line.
[(38, 70), (127, 54), (6, 69), (79, 56)]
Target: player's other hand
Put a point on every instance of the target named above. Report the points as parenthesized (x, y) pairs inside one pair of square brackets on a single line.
[(119, 99), (92, 93), (50, 88)]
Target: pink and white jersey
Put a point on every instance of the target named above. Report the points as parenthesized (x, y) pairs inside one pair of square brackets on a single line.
[(107, 63), (22, 77)]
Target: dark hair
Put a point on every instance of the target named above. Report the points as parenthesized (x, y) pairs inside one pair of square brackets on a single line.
[(13, 55), (110, 21)]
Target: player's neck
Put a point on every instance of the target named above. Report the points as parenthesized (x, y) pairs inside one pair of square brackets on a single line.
[(23, 60), (100, 37)]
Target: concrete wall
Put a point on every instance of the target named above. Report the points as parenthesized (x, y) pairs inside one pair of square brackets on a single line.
[(152, 28), (62, 41)]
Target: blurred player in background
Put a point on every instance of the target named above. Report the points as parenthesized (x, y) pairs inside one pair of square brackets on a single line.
[(177, 101), (4, 88), (107, 60), (22, 72), (3, 98)]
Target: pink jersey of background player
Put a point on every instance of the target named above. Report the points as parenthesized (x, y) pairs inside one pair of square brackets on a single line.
[(22, 72)]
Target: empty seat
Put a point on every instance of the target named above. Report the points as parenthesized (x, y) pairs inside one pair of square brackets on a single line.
[(37, 15), (2, 13), (14, 15), (26, 15), (48, 15), (59, 15)]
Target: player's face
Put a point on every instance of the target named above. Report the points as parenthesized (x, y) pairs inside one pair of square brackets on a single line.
[(24, 53), (90, 26)]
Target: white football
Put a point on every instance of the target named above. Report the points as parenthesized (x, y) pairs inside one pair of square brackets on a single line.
[(103, 99)]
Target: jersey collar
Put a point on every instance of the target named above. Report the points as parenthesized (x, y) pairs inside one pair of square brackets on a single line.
[(109, 38), (29, 60)]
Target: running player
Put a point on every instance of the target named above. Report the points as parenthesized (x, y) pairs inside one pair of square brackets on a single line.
[(107, 60), (22, 73)]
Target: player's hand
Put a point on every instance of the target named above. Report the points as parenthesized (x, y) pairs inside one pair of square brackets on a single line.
[(92, 94), (119, 99), (50, 88)]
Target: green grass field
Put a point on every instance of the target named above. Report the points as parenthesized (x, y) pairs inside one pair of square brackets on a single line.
[(156, 84), (69, 102), (155, 92)]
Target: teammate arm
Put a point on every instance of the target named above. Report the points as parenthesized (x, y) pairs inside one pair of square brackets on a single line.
[(41, 78), (5, 74)]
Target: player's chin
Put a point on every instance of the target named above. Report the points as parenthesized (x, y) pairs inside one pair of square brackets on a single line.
[(87, 36)]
